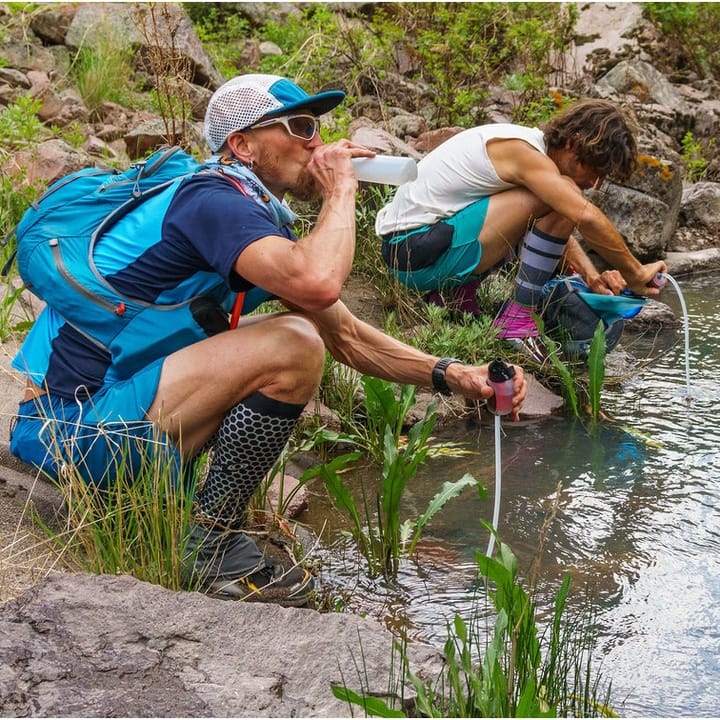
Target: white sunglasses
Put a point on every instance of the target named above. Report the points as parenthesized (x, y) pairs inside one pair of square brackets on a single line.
[(299, 126)]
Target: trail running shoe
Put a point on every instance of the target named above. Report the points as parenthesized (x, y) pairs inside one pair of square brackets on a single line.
[(290, 587), (515, 322)]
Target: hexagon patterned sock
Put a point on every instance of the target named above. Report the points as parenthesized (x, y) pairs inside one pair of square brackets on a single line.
[(246, 445)]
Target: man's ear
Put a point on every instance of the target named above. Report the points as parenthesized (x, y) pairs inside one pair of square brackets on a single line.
[(238, 145)]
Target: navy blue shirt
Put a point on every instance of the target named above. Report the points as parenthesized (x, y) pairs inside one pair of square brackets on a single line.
[(207, 226)]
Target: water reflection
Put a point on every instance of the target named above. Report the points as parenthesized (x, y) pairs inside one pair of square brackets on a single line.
[(636, 518)]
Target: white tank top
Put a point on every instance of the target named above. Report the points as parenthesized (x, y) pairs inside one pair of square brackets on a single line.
[(451, 177)]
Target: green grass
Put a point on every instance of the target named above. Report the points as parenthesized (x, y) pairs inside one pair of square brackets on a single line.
[(381, 534), (139, 526), (512, 669)]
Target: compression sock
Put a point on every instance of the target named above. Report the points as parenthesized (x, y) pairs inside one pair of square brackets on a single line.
[(246, 446), (539, 259)]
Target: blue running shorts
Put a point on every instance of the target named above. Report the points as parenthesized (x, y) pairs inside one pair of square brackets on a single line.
[(458, 261), (99, 438)]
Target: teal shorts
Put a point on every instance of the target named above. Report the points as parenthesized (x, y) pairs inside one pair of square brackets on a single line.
[(458, 256), (99, 439)]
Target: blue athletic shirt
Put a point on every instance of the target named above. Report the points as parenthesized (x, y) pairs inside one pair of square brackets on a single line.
[(207, 226)]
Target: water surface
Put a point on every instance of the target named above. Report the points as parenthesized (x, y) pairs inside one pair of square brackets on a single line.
[(636, 520)]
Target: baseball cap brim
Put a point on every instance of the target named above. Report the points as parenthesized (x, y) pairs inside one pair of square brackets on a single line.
[(293, 97)]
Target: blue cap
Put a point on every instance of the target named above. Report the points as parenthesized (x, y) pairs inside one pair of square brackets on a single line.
[(245, 99)]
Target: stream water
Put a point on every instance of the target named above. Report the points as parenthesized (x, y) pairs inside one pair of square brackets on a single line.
[(636, 522)]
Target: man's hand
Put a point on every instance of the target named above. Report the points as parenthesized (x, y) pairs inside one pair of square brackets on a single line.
[(610, 282), (330, 164), (471, 381), (641, 284)]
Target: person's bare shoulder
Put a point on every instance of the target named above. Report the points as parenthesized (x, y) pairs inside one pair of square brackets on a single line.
[(513, 157)]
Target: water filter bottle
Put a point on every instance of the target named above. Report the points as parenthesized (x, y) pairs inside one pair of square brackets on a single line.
[(659, 281), (385, 169), (500, 379)]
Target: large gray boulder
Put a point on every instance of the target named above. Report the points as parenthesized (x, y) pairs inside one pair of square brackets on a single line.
[(111, 646), (148, 28)]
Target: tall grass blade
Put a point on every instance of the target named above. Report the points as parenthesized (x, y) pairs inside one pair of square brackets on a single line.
[(596, 369), (448, 491)]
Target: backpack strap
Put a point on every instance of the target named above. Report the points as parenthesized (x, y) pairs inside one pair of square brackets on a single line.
[(240, 297)]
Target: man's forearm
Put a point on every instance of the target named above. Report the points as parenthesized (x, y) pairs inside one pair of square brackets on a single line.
[(602, 236), (577, 259)]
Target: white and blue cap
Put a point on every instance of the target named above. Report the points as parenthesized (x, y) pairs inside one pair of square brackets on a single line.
[(245, 99)]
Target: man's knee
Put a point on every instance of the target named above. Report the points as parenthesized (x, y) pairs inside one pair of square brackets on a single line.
[(299, 345)]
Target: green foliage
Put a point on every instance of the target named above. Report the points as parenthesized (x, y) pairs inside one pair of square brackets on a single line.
[(691, 34), (596, 369), (563, 371), (469, 338), (72, 134), (15, 196), (102, 73), (138, 527), (19, 124), (694, 154), (457, 49), (220, 28), (376, 526), (15, 316), (506, 674)]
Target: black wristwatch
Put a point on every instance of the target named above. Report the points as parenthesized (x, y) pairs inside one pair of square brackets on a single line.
[(438, 375)]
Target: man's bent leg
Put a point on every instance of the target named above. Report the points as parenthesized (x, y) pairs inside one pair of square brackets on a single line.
[(246, 446), (279, 360), (539, 259)]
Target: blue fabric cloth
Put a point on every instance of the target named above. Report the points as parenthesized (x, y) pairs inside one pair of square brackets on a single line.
[(97, 436), (614, 307), (281, 213), (92, 408), (456, 264), (207, 226), (610, 308)]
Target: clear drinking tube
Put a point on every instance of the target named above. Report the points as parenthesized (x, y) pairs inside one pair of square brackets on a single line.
[(500, 379)]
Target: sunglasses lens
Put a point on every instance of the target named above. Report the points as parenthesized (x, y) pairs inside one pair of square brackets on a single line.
[(303, 126)]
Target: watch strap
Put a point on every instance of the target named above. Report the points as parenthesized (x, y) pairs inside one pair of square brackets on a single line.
[(438, 375)]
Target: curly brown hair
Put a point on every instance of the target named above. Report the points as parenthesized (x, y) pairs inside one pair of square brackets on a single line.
[(599, 133)]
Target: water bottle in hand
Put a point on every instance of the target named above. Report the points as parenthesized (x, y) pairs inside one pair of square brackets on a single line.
[(500, 379), (659, 281), (385, 169)]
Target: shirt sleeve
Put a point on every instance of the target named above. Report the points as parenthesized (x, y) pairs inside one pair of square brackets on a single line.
[(218, 222)]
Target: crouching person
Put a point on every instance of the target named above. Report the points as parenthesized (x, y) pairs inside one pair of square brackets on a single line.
[(241, 389)]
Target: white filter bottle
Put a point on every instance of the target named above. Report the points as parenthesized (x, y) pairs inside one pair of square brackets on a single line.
[(385, 169)]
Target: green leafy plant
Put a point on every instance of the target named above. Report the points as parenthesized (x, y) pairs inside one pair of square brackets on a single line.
[(690, 33), (139, 526), (596, 369), (102, 72), (19, 124), (170, 69), (567, 380), (467, 337), (505, 673), (694, 155), (380, 535)]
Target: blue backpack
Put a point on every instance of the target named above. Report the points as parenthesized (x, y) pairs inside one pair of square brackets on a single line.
[(572, 312), (56, 239)]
